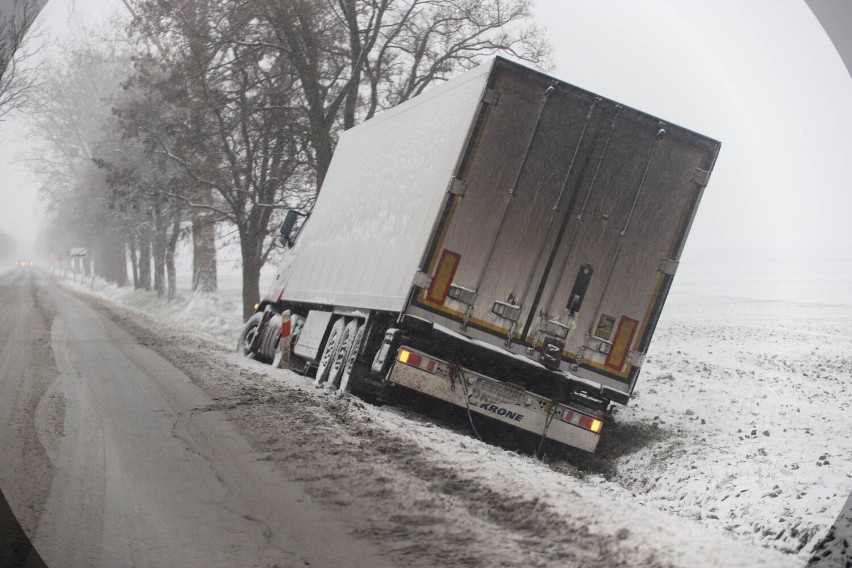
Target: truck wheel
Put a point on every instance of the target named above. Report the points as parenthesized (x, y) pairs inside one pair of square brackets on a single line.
[(331, 345), (345, 377), (246, 337), (269, 342), (342, 355)]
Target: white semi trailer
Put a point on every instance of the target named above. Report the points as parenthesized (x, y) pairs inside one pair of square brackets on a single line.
[(504, 242)]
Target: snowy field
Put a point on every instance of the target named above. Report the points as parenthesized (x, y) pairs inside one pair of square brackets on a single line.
[(749, 378), (741, 417)]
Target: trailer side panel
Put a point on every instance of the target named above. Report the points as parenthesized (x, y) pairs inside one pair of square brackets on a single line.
[(380, 199)]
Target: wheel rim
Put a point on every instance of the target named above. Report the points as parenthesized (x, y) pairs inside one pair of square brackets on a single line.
[(341, 355), (248, 340), (331, 346)]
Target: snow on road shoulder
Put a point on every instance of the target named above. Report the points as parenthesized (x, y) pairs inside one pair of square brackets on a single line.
[(744, 403), (529, 501), (216, 316), (649, 533), (499, 499)]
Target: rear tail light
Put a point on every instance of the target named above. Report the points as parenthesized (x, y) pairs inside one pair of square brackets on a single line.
[(590, 423), (583, 421), (408, 357)]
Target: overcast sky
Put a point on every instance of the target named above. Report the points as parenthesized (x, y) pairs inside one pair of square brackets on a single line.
[(760, 76)]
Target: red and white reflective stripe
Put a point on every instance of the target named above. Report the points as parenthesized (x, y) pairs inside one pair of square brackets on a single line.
[(581, 420)]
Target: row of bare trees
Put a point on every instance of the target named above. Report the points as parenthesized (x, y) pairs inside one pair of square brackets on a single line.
[(20, 43), (214, 116)]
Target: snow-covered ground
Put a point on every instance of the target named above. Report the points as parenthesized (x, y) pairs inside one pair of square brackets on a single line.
[(750, 379), (743, 406)]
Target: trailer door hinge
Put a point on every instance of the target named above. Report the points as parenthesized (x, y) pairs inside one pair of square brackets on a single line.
[(635, 358), (700, 177), (456, 186), (422, 280), (491, 97), (668, 266)]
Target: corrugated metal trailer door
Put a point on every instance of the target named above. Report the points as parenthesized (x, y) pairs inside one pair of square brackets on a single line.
[(514, 179), (573, 217), (620, 243)]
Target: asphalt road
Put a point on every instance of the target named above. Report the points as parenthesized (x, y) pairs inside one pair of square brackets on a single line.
[(106, 461)]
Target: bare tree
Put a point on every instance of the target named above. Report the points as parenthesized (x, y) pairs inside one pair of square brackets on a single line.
[(356, 57), (256, 90), (232, 122), (142, 186), (77, 130), (153, 47), (19, 44)]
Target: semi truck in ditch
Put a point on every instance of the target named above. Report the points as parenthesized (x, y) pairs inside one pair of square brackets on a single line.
[(503, 242)]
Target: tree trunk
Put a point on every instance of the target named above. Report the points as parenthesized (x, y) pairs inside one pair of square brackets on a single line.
[(159, 250), (119, 260), (134, 261), (144, 262), (355, 48), (203, 244), (170, 255), (251, 248), (323, 148), (251, 286)]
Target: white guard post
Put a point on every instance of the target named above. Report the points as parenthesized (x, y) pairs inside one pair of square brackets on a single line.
[(282, 356)]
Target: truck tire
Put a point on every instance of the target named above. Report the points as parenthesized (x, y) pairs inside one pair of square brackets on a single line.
[(330, 350), (246, 336), (346, 376), (269, 342), (342, 356)]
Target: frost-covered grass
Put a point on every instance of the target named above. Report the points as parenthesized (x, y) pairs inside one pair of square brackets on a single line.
[(217, 316), (741, 419)]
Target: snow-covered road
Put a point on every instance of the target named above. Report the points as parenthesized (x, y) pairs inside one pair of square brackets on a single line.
[(127, 442)]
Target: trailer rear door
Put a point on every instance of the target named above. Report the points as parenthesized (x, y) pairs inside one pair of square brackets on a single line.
[(568, 231)]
